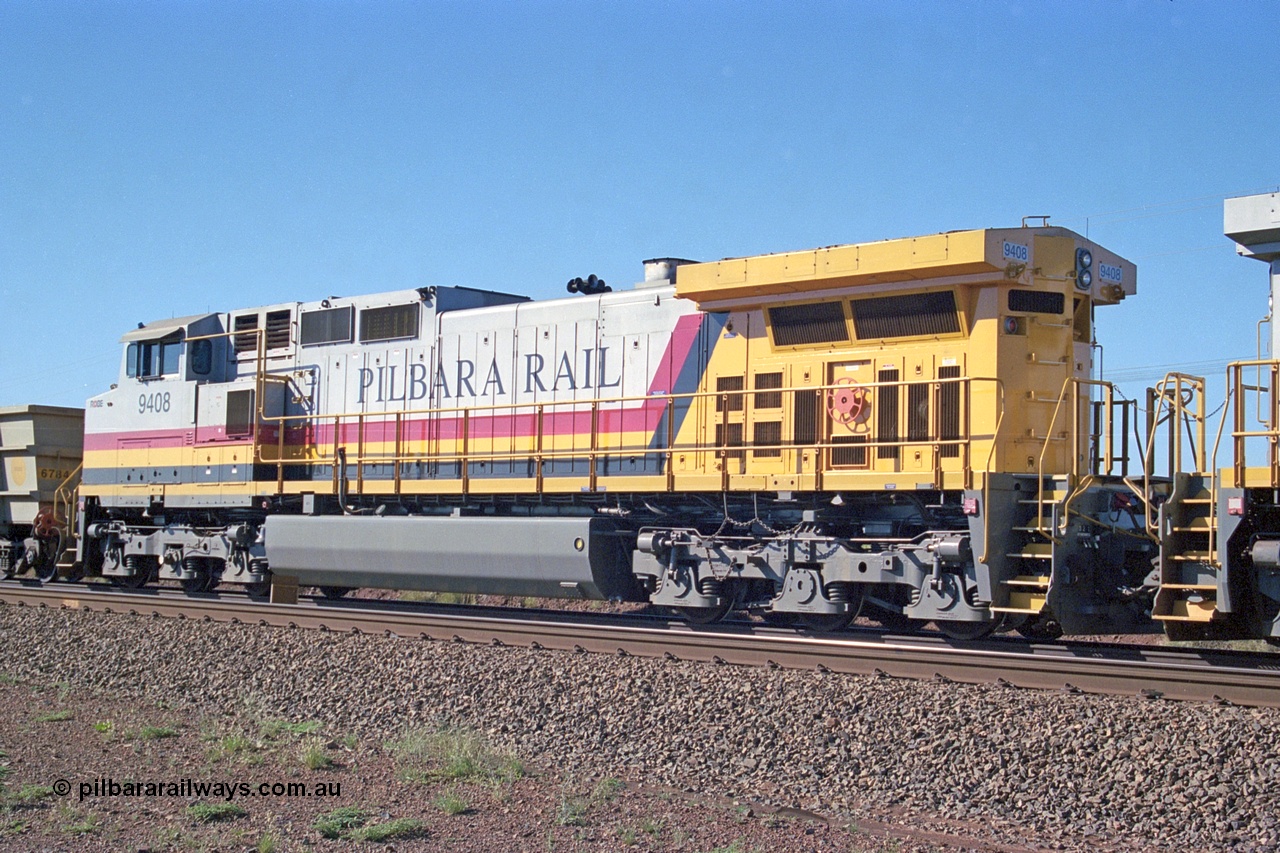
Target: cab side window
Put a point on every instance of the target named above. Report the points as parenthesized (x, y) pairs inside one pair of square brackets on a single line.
[(200, 355), (147, 359)]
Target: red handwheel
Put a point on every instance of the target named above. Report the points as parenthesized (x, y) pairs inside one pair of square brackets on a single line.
[(849, 403)]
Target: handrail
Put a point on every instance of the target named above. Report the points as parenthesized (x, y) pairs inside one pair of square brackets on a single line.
[(593, 446), (986, 478), (65, 495), (1235, 408), (1073, 384), (1170, 394)]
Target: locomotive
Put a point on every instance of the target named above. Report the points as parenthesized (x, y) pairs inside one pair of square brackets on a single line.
[(905, 429)]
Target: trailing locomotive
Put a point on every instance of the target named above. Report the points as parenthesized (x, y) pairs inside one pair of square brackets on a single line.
[(905, 429)]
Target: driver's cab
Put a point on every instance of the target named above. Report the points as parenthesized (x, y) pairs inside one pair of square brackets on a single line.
[(141, 425)]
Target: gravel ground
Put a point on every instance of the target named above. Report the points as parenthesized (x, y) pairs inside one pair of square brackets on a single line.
[(705, 753)]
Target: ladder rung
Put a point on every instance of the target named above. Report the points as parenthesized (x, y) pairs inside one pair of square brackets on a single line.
[(1028, 580)]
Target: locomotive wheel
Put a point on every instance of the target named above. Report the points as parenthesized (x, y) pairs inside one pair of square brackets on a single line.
[(46, 564), (138, 581), (827, 623), (201, 581), (21, 564), (968, 630), (259, 589), (46, 570), (333, 593), (706, 615)]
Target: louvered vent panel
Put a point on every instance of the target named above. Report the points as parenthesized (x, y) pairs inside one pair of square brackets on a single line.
[(906, 316), (816, 323), (949, 410), (246, 342), (887, 413), (729, 402), (278, 323), (767, 438), (1037, 301), (768, 399), (734, 439)]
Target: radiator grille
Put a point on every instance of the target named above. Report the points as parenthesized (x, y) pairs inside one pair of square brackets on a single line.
[(850, 451), (805, 414), (906, 316), (389, 323), (768, 399), (887, 413), (918, 411), (949, 410), (767, 438), (815, 323), (729, 402), (326, 327), (734, 439), (1037, 301)]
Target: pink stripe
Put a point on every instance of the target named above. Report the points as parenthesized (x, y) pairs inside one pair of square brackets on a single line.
[(677, 353), (643, 417)]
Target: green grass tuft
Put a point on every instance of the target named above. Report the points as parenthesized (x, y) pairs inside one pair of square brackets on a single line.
[(404, 827), (156, 732), (735, 847), (28, 794), (333, 824), (273, 729), (80, 824), (56, 717), (213, 812), (314, 757), (452, 804), (607, 789), (572, 812), (449, 753)]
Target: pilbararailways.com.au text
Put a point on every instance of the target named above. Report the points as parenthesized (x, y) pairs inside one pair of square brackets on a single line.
[(227, 790)]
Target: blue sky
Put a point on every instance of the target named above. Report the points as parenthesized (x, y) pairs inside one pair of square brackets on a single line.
[(163, 159)]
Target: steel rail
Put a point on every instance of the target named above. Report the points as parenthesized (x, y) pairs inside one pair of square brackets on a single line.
[(1238, 678)]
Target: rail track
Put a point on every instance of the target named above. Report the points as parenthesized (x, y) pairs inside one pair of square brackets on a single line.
[(1241, 678)]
